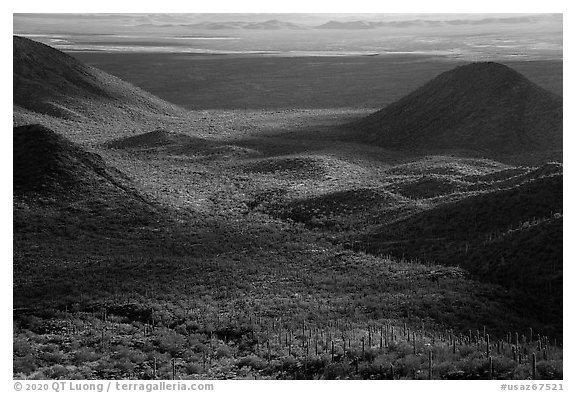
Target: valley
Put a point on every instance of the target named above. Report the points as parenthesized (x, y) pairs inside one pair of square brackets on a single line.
[(239, 238)]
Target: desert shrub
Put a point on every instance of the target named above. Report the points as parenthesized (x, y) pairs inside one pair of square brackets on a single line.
[(124, 366), (522, 371), (171, 342), (78, 374), (105, 369), (446, 370), (129, 354), (191, 326), (503, 366), (24, 364), (181, 329), (31, 322), (408, 366), (137, 356), (474, 367), (354, 352), (370, 354), (83, 355), (313, 365), (37, 375), (466, 350), (549, 369), (403, 349), (21, 347), (252, 362), (125, 328), (145, 346), (200, 348), (120, 352), (291, 364), (338, 370), (193, 368), (147, 373), (57, 372), (385, 359), (372, 371), (165, 372), (56, 357), (56, 339), (224, 351), (126, 340)]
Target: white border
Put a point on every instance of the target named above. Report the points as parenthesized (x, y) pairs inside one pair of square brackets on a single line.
[(300, 6)]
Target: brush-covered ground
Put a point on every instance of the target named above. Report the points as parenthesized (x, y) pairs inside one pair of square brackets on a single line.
[(154, 242), (255, 252)]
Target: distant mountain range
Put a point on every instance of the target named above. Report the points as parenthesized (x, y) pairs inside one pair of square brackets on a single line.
[(275, 24), (486, 107), (363, 24)]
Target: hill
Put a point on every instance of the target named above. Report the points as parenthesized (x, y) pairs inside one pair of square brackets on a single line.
[(273, 24), (151, 139), (511, 236), (46, 163), (51, 86), (62, 190), (472, 218), (486, 107), (355, 25)]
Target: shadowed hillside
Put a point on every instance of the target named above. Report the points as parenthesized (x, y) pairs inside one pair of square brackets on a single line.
[(473, 218), (46, 163), (510, 236), (61, 190), (151, 139), (485, 107), (50, 82)]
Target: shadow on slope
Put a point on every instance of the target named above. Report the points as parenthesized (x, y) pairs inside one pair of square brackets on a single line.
[(153, 139), (468, 218), (47, 165), (173, 143), (51, 82), (511, 236), (485, 107), (353, 209)]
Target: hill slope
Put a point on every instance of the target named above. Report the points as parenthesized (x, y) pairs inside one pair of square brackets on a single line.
[(62, 190), (48, 82), (471, 219), (485, 107), (46, 163), (510, 236)]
